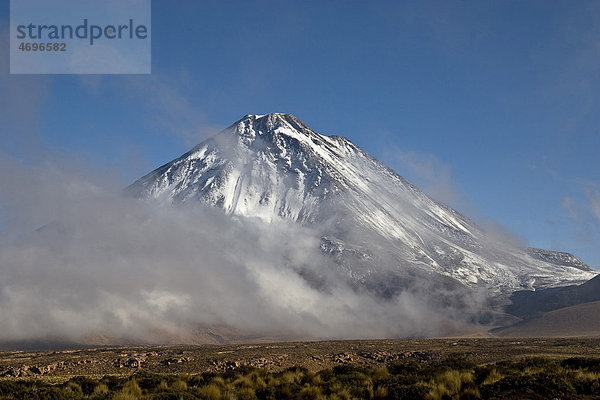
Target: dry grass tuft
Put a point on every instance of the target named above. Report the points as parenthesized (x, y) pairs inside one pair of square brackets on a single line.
[(380, 393), (210, 392), (493, 377), (100, 389), (449, 384)]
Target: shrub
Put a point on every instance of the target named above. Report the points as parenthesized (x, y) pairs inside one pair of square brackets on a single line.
[(74, 387), (380, 393), (163, 385), (87, 385), (592, 364), (310, 393), (586, 382), (179, 385), (111, 381), (210, 392), (131, 388), (458, 362), (294, 376), (245, 394), (217, 381), (380, 374), (470, 393), (449, 383), (493, 377), (100, 389), (408, 372)]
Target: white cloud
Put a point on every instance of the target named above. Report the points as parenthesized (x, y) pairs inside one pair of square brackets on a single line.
[(108, 265)]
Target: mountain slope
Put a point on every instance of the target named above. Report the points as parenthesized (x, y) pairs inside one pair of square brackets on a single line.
[(527, 304), (579, 320), (373, 222)]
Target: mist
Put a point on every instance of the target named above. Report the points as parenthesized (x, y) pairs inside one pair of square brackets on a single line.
[(90, 261)]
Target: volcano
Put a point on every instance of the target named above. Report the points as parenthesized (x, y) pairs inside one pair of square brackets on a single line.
[(380, 229)]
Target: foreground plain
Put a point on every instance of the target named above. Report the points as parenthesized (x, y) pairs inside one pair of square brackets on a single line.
[(313, 356), (367, 369)]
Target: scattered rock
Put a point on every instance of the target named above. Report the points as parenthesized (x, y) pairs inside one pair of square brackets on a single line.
[(222, 365), (342, 358), (266, 362), (17, 372), (179, 360), (133, 362)]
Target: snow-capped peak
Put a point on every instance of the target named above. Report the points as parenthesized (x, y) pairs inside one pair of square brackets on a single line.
[(274, 166)]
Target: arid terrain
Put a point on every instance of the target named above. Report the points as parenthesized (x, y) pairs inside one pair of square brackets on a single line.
[(278, 356)]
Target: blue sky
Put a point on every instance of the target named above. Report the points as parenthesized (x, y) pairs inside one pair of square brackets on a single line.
[(492, 107)]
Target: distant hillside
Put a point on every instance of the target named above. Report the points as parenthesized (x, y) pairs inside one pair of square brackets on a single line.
[(528, 304), (579, 320)]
